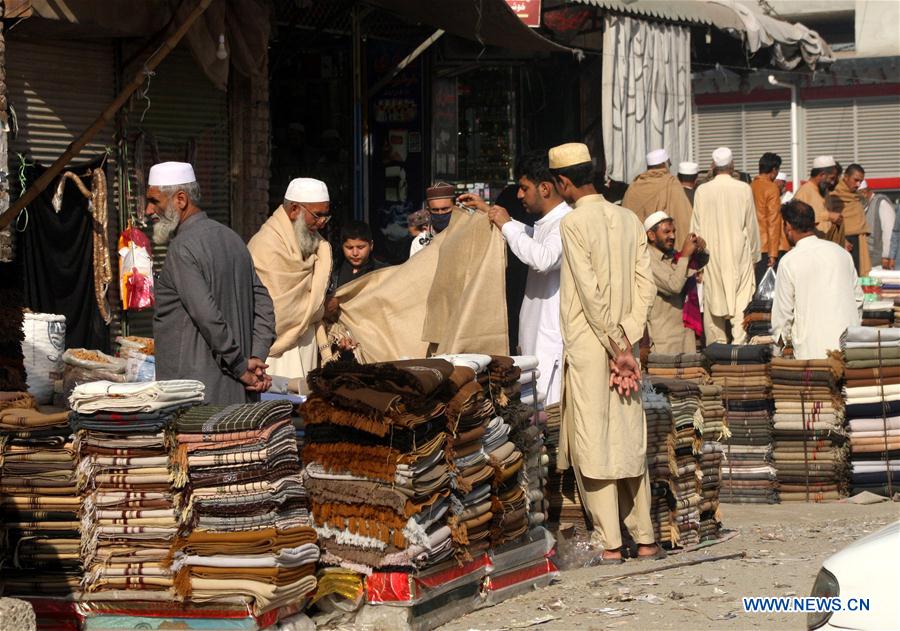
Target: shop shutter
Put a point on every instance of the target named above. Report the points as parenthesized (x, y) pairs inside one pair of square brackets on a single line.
[(878, 136), (767, 127), (57, 88), (187, 119), (829, 128), (718, 126)]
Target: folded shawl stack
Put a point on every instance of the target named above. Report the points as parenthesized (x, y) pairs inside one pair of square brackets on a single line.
[(686, 366), (564, 506), (758, 320), (127, 481), (681, 458), (379, 457), (743, 374), (809, 449), (245, 521), (872, 392), (39, 503), (878, 313)]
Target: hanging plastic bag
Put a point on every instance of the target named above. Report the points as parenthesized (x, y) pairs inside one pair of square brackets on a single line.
[(766, 288), (135, 270)]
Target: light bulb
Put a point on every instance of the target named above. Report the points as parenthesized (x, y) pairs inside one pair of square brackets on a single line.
[(221, 52)]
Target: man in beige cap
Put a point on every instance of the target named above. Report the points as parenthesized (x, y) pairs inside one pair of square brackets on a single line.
[(657, 189), (813, 192), (606, 291), (725, 217), (294, 262), (671, 271)]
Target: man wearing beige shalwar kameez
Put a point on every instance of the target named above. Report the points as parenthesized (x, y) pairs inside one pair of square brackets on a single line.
[(657, 189), (813, 192), (725, 217), (606, 290), (294, 263)]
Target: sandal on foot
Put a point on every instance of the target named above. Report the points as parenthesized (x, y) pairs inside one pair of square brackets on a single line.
[(599, 560), (656, 556)]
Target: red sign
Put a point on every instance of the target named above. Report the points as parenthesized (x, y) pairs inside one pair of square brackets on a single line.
[(529, 11)]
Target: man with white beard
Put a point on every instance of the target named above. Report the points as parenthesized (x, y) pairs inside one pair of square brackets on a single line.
[(214, 320), (294, 263)]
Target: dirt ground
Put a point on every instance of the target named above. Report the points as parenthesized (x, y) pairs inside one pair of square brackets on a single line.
[(784, 546)]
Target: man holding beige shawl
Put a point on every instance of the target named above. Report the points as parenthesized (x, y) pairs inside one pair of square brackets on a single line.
[(294, 263)]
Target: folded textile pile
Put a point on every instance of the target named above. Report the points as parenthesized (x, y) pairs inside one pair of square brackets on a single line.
[(682, 441), (758, 320), (687, 366), (245, 508), (878, 313), (127, 481), (872, 391), (39, 503), (509, 489), (660, 425), (564, 507), (809, 449), (743, 374), (527, 423), (378, 460)]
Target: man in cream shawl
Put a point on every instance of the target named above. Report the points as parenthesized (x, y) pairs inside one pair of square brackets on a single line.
[(294, 263)]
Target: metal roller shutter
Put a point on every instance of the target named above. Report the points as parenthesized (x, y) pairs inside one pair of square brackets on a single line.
[(878, 136), (185, 118), (716, 127), (829, 128), (748, 130), (767, 127), (58, 88)]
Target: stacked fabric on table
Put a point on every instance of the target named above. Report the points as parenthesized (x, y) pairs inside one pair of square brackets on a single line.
[(878, 313), (890, 282), (509, 494), (245, 510), (682, 450), (126, 478), (527, 423), (660, 426), (758, 319), (872, 391), (810, 442), (564, 508), (379, 457), (39, 503), (686, 366), (743, 374)]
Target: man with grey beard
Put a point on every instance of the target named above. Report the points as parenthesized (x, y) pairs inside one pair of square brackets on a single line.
[(294, 263), (214, 318)]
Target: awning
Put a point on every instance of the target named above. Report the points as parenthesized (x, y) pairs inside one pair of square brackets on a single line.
[(490, 22), (792, 44)]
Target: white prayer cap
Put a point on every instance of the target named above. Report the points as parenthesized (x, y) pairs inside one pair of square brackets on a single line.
[(688, 168), (657, 156), (722, 157), (568, 155), (823, 162), (170, 174), (306, 190), (781, 176), (657, 217), (863, 185)]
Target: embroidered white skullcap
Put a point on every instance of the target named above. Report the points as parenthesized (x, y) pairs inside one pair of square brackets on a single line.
[(171, 173), (781, 176), (306, 190), (657, 217), (722, 157), (823, 162), (688, 168), (863, 185), (657, 156), (568, 155)]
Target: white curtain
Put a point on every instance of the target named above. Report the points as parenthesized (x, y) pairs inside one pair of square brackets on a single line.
[(645, 94)]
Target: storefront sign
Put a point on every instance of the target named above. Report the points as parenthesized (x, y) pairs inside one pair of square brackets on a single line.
[(529, 11)]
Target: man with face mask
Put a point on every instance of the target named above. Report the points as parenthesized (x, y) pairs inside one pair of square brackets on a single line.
[(294, 262), (671, 272), (439, 204), (540, 248), (816, 292), (214, 320)]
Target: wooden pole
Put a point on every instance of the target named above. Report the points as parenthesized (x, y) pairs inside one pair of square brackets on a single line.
[(105, 117)]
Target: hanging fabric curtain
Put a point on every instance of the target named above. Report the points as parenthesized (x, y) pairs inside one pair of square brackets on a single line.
[(646, 93)]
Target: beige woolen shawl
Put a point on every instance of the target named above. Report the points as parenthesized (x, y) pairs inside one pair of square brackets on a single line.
[(297, 286), (448, 298)]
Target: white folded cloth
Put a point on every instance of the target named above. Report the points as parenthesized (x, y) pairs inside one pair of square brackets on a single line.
[(286, 557), (478, 363), (148, 396), (525, 362)]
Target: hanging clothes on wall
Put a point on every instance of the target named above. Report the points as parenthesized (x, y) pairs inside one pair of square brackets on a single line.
[(57, 251)]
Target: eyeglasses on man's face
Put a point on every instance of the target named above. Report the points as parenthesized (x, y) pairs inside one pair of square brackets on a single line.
[(317, 218)]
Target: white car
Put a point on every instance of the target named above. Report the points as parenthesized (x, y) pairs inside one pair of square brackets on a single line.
[(865, 576)]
